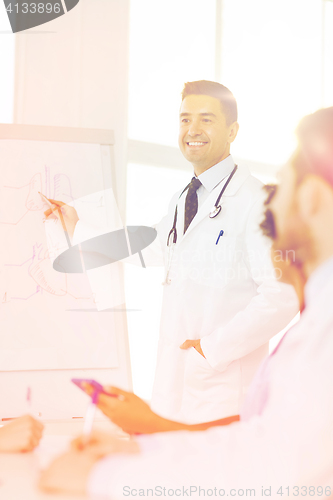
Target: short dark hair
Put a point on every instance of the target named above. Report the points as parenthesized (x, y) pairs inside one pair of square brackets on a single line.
[(315, 145), (217, 90)]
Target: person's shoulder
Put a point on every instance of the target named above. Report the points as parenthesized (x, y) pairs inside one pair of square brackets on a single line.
[(251, 187), (251, 181)]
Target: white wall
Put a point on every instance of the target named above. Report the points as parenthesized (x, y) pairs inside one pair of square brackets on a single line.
[(73, 72)]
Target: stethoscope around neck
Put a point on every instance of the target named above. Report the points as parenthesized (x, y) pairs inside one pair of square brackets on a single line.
[(213, 213), (173, 232)]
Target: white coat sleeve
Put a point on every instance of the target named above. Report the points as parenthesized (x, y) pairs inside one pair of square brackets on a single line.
[(268, 312), (153, 255), (106, 282)]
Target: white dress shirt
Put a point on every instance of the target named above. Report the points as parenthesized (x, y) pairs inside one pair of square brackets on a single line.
[(289, 445), (212, 177)]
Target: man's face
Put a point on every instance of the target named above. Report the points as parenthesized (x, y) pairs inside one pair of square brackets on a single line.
[(204, 136), (283, 222)]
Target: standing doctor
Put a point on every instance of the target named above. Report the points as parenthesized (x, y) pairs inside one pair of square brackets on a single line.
[(221, 302)]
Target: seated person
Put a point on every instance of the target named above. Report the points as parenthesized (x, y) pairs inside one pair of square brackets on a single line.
[(134, 416), (20, 435), (283, 443)]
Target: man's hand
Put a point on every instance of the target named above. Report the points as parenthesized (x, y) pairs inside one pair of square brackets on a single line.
[(69, 215), (68, 473), (193, 343), (127, 411), (21, 435), (100, 444), (135, 417)]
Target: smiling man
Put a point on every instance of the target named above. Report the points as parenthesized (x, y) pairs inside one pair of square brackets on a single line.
[(206, 131), (221, 301)]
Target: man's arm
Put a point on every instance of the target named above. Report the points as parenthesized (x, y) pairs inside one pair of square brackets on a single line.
[(288, 445), (134, 416)]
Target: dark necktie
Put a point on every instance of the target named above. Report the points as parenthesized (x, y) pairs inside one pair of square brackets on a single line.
[(191, 202)]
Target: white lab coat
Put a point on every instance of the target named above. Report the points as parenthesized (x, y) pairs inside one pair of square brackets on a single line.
[(289, 445), (224, 294)]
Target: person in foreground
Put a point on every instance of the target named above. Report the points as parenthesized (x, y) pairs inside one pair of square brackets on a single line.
[(20, 435), (283, 444)]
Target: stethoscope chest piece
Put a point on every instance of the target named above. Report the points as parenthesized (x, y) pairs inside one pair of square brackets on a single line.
[(215, 211)]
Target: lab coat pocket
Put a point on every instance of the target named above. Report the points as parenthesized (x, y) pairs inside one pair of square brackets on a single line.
[(209, 394)]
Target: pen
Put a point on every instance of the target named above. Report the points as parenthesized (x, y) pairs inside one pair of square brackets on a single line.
[(61, 217), (89, 418), (219, 236)]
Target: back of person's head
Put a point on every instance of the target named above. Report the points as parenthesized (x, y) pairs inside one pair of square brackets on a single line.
[(315, 145), (217, 90)]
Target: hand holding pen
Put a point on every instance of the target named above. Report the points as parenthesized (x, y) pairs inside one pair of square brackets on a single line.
[(65, 213)]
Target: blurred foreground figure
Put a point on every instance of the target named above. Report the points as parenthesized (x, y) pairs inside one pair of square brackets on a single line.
[(20, 435), (284, 440)]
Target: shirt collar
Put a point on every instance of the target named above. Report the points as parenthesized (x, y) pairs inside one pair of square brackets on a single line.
[(214, 175), (318, 280)]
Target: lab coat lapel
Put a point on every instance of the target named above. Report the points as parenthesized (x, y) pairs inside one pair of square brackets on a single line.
[(238, 179)]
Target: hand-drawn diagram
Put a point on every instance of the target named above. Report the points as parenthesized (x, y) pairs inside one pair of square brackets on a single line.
[(34, 201), (49, 320), (35, 274), (26, 198)]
